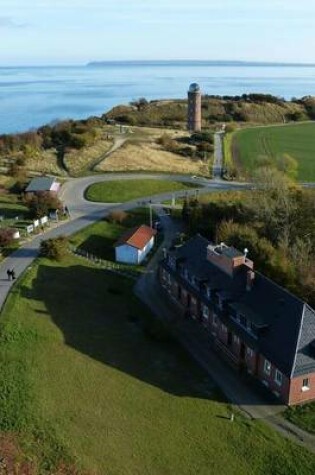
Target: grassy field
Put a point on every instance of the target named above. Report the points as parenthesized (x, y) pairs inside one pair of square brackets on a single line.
[(296, 140), (303, 416), (119, 191), (98, 239), (82, 380)]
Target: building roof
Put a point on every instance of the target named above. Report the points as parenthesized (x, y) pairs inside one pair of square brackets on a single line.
[(137, 237), (194, 87), (288, 323), (43, 183)]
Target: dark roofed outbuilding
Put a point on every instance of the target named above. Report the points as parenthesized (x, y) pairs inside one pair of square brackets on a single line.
[(43, 183)]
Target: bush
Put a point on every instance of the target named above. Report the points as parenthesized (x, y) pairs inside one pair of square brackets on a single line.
[(6, 236), (118, 216), (54, 248)]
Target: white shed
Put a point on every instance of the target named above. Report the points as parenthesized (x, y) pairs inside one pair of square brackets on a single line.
[(135, 245)]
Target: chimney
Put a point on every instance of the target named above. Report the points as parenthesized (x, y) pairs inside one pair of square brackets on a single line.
[(250, 278), (228, 259)]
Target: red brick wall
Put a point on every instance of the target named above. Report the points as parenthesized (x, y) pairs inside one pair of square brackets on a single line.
[(281, 391), (296, 394)]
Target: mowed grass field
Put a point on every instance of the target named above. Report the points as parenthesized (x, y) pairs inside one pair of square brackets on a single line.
[(296, 140), (82, 380), (119, 191)]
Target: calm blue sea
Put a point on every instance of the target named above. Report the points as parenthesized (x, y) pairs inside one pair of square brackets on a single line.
[(33, 96)]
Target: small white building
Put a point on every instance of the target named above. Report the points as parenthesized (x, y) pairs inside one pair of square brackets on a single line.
[(135, 245)]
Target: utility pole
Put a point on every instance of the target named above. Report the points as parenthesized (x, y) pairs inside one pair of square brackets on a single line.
[(151, 219), (173, 200)]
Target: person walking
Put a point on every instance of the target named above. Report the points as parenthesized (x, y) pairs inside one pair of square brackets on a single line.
[(13, 274), (9, 274)]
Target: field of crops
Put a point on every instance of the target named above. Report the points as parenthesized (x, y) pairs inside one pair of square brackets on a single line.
[(251, 145)]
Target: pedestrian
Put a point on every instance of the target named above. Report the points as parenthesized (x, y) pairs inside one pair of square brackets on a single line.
[(13, 274), (9, 274)]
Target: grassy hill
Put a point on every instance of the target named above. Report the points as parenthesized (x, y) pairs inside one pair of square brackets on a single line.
[(252, 108), (250, 145), (84, 381)]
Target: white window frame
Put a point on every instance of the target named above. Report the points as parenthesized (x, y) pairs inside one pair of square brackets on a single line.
[(267, 367), (278, 377), (306, 387)]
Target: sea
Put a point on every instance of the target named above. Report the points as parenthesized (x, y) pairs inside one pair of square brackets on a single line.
[(34, 96)]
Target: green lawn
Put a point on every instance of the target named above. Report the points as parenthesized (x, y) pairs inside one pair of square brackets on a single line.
[(99, 238), (303, 416), (82, 380), (119, 191), (296, 140)]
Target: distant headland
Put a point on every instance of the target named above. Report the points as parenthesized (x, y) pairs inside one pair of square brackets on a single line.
[(192, 62)]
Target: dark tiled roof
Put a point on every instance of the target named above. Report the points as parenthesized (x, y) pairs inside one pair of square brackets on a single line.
[(289, 322), (43, 183)]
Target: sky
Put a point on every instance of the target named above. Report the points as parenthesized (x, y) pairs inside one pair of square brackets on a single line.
[(78, 31)]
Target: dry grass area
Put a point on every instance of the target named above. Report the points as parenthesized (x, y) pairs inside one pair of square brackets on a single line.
[(150, 157), (78, 160), (44, 162), (141, 153)]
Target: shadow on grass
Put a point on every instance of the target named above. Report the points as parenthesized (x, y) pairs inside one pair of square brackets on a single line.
[(100, 246), (100, 317)]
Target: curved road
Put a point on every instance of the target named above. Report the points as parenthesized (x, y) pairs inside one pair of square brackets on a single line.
[(84, 213)]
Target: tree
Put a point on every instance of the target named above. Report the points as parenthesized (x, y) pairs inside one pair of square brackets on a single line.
[(41, 203), (54, 248)]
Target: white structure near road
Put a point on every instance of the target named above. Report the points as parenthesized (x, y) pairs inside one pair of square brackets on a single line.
[(134, 245)]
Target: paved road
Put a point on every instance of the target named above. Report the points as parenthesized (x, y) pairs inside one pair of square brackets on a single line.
[(218, 156), (84, 213)]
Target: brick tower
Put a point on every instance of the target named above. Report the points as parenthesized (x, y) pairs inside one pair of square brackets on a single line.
[(194, 108)]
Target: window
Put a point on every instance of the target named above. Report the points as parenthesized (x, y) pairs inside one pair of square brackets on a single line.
[(267, 367), (208, 292), (306, 384), (250, 352), (205, 312), (215, 320), (278, 377), (236, 339), (223, 328)]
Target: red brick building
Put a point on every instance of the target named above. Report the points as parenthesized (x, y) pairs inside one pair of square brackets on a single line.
[(194, 108), (256, 325)]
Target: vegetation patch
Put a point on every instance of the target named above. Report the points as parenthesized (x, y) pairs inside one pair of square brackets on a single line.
[(254, 147), (119, 191), (85, 385), (303, 416)]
